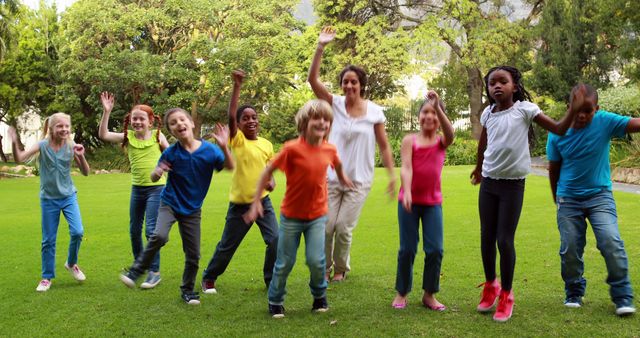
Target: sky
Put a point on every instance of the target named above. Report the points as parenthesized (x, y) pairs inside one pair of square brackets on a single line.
[(62, 4)]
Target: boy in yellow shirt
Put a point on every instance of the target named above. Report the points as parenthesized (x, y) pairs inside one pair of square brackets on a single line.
[(252, 154)]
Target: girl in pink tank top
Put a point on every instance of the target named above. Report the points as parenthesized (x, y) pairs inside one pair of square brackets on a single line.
[(420, 201)]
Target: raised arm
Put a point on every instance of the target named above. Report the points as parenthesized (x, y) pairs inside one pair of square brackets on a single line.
[(238, 77), (107, 100), (18, 154), (326, 35), (387, 157), (554, 176), (445, 124), (406, 172), (560, 128), (221, 135), (81, 161), (476, 174)]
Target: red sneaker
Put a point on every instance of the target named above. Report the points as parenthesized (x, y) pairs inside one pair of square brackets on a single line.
[(489, 295), (505, 307)]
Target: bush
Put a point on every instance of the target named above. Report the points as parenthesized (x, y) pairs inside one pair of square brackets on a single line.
[(461, 152), (109, 157)]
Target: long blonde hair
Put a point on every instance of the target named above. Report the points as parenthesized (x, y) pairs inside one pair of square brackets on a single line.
[(50, 122)]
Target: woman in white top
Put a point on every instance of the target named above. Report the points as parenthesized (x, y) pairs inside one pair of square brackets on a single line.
[(358, 126)]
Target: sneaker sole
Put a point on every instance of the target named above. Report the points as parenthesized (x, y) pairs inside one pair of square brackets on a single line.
[(127, 281), (572, 305), (320, 310), (146, 285), (278, 316), (501, 320), (210, 291), (193, 302)]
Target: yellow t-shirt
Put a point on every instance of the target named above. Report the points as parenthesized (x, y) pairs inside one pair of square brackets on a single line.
[(251, 158), (143, 158)]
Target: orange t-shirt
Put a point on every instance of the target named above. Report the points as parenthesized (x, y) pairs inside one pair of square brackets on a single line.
[(306, 169)]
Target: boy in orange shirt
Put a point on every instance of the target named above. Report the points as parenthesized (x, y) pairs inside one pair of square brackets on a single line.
[(304, 208)]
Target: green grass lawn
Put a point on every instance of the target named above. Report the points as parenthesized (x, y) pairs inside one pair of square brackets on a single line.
[(103, 306)]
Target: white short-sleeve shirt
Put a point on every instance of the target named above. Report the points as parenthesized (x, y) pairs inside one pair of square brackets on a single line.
[(355, 139), (507, 154)]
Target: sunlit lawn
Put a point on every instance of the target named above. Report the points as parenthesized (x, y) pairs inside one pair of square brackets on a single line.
[(360, 307)]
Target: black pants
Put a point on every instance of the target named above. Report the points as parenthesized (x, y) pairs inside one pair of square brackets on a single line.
[(500, 204)]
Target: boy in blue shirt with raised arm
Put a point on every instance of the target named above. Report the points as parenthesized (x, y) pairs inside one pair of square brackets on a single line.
[(580, 178)]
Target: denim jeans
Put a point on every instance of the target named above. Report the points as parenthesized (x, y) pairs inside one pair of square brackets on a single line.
[(50, 220), (234, 231), (409, 222), (600, 209), (189, 227), (144, 207), (288, 243)]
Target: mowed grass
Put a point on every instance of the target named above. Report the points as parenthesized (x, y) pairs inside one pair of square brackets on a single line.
[(360, 306)]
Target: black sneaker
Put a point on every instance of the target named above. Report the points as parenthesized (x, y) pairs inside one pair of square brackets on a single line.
[(191, 298), (276, 311), (128, 278), (320, 305)]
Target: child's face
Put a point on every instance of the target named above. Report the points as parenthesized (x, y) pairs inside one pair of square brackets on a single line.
[(350, 84), (60, 129), (139, 121), (318, 127), (586, 112), (501, 86), (428, 119), (249, 124), (180, 126)]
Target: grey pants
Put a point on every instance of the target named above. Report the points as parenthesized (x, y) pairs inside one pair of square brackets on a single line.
[(189, 226)]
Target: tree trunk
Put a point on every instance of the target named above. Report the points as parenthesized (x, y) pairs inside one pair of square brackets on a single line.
[(475, 88)]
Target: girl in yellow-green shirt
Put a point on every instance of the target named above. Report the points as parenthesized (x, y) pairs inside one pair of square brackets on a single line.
[(143, 146)]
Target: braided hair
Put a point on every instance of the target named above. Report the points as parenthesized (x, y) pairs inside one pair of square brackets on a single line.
[(152, 120)]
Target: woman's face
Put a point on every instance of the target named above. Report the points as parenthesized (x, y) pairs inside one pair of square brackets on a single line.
[(350, 84)]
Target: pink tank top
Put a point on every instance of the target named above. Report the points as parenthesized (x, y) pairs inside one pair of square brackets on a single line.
[(427, 163)]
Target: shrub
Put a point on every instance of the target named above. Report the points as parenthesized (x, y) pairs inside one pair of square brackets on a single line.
[(109, 157)]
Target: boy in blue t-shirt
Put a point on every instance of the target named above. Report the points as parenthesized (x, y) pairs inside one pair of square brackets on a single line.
[(190, 164), (580, 178)]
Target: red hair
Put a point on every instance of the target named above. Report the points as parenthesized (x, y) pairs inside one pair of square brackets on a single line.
[(152, 119)]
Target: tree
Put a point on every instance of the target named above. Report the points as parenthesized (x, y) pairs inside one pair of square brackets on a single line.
[(8, 12), (170, 53), (579, 41)]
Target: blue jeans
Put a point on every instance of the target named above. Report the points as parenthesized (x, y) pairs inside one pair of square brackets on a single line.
[(432, 245), (144, 206), (600, 209), (288, 243), (234, 231), (50, 220)]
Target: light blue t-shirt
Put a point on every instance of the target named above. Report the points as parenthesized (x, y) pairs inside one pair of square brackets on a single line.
[(55, 171), (584, 154), (190, 175)]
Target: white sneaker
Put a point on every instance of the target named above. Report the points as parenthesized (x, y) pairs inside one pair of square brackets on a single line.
[(75, 272), (44, 285), (625, 310)]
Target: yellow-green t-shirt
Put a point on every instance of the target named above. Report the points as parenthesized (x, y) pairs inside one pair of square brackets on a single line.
[(251, 158), (143, 158)]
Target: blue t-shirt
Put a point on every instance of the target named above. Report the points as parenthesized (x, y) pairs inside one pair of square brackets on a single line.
[(55, 171), (190, 175), (584, 154)]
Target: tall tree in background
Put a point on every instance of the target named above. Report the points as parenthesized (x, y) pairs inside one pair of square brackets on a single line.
[(579, 41), (170, 53)]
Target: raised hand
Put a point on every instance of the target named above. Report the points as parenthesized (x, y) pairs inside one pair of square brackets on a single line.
[(577, 98), (13, 135), (78, 149), (107, 100), (327, 34), (238, 76), (221, 134), (433, 96)]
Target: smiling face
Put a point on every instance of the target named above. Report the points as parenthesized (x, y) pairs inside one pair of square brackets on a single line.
[(428, 119), (501, 86), (59, 127), (248, 123), (350, 84), (180, 125), (139, 121), (317, 128)]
